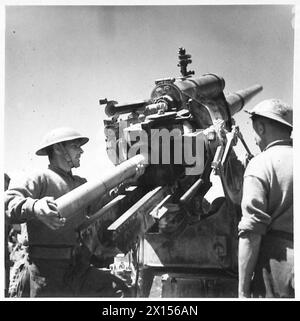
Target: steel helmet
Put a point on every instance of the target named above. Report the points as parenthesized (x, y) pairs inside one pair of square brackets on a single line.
[(59, 135), (274, 109)]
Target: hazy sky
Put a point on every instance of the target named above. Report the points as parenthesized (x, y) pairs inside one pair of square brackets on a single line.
[(60, 60)]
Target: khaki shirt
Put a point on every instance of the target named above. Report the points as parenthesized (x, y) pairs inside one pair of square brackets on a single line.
[(22, 194), (267, 201)]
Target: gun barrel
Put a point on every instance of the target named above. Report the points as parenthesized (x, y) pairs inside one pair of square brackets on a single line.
[(80, 197), (236, 101), (209, 85), (112, 109)]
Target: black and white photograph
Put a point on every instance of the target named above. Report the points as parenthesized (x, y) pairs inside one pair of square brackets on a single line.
[(148, 152)]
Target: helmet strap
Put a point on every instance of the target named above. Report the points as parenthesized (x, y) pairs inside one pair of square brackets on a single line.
[(66, 155)]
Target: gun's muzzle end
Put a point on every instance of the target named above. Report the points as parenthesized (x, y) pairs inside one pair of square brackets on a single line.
[(236, 101)]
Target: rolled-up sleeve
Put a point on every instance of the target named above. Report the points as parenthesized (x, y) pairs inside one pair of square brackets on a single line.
[(254, 206)]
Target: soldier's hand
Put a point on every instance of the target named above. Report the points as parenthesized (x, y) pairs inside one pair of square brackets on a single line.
[(46, 211)]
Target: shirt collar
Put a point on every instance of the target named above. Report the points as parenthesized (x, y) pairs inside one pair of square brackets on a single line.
[(60, 171), (281, 142)]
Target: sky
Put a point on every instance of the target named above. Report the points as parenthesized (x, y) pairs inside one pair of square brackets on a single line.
[(60, 60)]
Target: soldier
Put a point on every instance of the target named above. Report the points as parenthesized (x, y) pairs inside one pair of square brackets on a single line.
[(266, 255), (6, 233), (54, 263)]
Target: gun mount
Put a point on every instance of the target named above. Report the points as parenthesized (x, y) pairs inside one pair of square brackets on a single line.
[(165, 149)]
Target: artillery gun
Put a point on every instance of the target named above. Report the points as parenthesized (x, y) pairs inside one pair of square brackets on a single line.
[(155, 208)]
